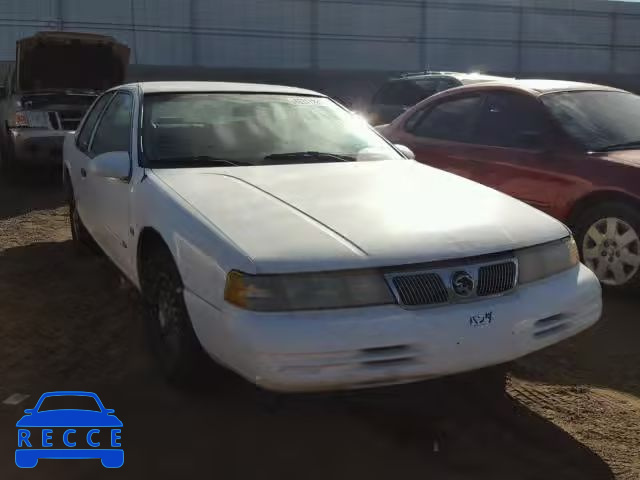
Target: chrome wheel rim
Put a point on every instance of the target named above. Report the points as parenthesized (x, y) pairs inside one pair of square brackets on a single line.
[(611, 248)]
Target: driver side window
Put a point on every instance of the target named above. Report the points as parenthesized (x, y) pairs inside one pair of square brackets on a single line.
[(84, 137), (114, 130)]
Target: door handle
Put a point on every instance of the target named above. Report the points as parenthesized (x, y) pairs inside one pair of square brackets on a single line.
[(83, 173)]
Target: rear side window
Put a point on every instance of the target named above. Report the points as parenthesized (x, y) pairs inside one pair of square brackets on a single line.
[(114, 131), (511, 120), (406, 93), (84, 137), (452, 120)]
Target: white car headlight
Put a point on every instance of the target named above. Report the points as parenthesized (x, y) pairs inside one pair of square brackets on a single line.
[(307, 291), (542, 261)]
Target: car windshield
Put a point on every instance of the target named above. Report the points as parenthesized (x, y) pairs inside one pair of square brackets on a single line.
[(599, 120), (67, 402), (226, 129)]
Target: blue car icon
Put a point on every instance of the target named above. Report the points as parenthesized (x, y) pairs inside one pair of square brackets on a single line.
[(36, 432)]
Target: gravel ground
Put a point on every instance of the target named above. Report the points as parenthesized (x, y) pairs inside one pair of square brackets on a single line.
[(68, 321)]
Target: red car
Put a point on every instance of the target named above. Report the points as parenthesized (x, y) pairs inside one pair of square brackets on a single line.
[(569, 149)]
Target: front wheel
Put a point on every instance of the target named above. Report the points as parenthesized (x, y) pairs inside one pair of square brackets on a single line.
[(79, 233), (608, 237), (173, 341)]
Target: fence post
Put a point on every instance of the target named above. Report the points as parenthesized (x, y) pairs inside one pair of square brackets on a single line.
[(314, 23), (60, 14), (613, 25), (423, 61)]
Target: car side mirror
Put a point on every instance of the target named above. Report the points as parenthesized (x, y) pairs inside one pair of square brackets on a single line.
[(111, 165), (29, 411), (109, 411), (406, 151)]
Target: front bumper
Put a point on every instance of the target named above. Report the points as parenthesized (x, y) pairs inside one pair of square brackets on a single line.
[(366, 347), (37, 146)]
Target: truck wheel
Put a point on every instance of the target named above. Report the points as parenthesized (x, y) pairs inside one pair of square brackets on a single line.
[(608, 236), (82, 239), (173, 342)]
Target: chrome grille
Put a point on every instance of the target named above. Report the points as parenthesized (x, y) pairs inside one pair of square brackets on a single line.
[(435, 285), (495, 279), (421, 289)]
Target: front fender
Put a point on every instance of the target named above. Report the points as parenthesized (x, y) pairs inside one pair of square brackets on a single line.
[(203, 254)]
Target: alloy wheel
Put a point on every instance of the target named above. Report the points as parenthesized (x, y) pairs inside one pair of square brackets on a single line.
[(611, 248)]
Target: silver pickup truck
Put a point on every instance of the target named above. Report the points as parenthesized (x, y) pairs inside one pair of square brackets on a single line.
[(56, 77)]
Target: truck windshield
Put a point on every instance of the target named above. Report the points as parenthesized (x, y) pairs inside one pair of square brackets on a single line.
[(222, 129)]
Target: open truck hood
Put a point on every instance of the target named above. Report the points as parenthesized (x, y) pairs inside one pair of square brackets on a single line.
[(64, 61)]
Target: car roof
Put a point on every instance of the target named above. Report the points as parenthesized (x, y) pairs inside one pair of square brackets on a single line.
[(179, 87), (539, 87), (464, 78)]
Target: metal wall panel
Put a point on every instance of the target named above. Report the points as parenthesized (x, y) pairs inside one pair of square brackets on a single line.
[(252, 15), (27, 9), (252, 52), (469, 57), (518, 36), (626, 62), (396, 20), (453, 23), (367, 55), (113, 12), (162, 14), (567, 28), (569, 60), (628, 31), (155, 48)]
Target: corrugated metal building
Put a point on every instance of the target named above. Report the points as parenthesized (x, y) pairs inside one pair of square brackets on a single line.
[(521, 37), (497, 35)]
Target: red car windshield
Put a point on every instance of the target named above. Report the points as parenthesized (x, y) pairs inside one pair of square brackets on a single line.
[(599, 120)]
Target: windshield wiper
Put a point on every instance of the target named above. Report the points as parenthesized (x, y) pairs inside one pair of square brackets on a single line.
[(317, 156), (198, 160), (621, 146)]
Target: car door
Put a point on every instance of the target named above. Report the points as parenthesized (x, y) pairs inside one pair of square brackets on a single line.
[(79, 157), (440, 134), (110, 206), (513, 150)]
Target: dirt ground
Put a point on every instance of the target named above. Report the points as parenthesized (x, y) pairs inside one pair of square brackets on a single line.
[(67, 321)]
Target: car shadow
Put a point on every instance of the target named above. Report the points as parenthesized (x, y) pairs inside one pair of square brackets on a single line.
[(68, 322), (597, 357), (64, 314), (37, 191)]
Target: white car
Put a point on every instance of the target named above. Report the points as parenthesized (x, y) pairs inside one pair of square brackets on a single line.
[(279, 233)]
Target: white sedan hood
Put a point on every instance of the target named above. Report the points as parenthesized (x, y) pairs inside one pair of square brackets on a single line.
[(331, 216)]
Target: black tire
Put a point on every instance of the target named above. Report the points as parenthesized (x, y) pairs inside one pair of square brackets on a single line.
[(171, 336), (592, 216), (81, 237)]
